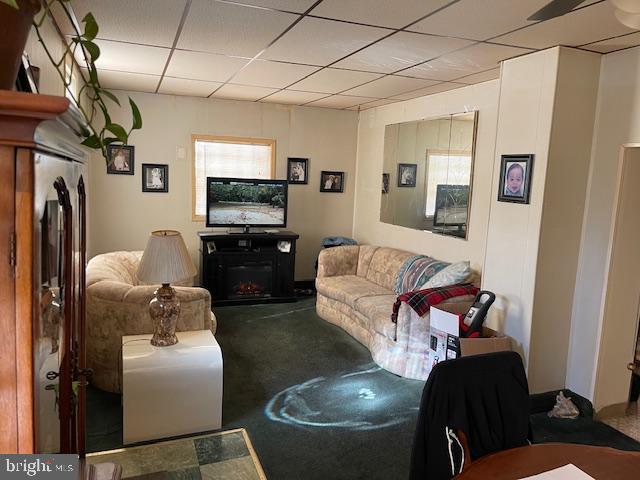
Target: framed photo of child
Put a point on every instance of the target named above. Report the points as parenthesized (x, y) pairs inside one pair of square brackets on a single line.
[(155, 177), (297, 169), (515, 178)]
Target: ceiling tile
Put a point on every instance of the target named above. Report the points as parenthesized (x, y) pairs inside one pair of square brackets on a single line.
[(272, 74), (320, 42), (128, 57), (401, 50), (580, 27), (390, 86), (152, 22), (375, 103), (204, 66), (231, 29), (378, 12), (479, 20), (298, 6), (422, 92), (340, 101), (475, 59), (480, 77), (184, 86), (619, 43), (243, 92), (331, 80), (293, 97), (137, 82)]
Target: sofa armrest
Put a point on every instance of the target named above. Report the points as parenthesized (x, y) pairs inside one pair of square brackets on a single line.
[(129, 306), (337, 261)]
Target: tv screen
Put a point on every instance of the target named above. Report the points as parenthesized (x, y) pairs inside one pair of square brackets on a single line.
[(244, 202), (452, 204)]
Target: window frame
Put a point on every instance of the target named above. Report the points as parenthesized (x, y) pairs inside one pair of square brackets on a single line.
[(225, 139), (442, 151)]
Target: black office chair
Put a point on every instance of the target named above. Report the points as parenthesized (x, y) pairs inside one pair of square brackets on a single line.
[(470, 407)]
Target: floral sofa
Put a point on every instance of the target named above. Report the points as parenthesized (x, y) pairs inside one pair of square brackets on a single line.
[(118, 304), (357, 287)]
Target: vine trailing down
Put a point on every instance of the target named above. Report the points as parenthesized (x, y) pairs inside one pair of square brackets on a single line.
[(91, 99)]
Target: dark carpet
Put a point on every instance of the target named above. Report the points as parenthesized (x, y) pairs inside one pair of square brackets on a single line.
[(316, 406)]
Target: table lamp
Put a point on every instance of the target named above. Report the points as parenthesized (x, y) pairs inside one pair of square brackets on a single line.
[(165, 260)]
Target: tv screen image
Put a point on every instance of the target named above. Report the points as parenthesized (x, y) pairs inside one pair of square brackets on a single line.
[(246, 202), (452, 204)]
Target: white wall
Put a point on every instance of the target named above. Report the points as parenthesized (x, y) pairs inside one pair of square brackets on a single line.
[(547, 107), (371, 132), (617, 122), (122, 216)]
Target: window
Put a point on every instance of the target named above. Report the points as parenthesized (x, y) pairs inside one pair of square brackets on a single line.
[(228, 157), (445, 168)]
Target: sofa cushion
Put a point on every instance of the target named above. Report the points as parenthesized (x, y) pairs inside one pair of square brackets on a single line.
[(378, 310), (455, 273), (115, 266), (364, 259), (384, 266), (416, 271), (348, 288)]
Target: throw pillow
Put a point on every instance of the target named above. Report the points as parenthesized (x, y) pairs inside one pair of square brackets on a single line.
[(454, 273), (415, 271)]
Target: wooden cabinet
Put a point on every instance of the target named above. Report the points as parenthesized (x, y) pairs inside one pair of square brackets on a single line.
[(42, 258), (243, 268)]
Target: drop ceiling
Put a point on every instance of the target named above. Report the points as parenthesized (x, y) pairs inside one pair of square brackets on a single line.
[(345, 54)]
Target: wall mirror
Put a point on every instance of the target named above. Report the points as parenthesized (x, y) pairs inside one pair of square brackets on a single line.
[(427, 174)]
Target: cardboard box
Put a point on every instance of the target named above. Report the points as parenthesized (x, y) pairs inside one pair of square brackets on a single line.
[(444, 331)]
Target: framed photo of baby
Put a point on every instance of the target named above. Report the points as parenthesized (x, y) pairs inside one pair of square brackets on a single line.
[(155, 177), (297, 170), (120, 159), (515, 178)]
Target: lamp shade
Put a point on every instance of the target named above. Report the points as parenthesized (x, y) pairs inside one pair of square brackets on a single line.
[(166, 259)]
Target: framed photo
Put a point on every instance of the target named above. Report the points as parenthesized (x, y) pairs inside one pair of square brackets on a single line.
[(331, 182), (155, 177), (120, 159), (385, 182), (407, 174), (297, 172), (515, 178)]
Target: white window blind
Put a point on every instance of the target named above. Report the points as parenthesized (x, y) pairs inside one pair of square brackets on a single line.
[(445, 169), (227, 159)]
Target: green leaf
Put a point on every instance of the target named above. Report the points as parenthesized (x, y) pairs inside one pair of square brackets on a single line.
[(93, 75), (92, 48), (118, 131), (137, 118), (110, 95), (105, 112), (92, 142), (11, 3), (90, 26)]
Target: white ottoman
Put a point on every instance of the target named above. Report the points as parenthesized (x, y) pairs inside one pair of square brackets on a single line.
[(169, 391)]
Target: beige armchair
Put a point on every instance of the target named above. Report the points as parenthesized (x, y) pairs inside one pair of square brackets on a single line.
[(118, 305)]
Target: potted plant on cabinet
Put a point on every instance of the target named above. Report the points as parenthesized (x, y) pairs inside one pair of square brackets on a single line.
[(17, 17)]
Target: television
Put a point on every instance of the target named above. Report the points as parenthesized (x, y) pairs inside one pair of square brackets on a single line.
[(246, 202), (452, 205)]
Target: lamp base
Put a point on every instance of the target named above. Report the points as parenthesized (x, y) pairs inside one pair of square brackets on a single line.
[(164, 309)]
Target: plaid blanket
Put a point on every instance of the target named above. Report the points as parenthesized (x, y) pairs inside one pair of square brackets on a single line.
[(422, 300)]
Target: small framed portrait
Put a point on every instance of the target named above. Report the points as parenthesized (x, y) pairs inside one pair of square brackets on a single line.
[(155, 177), (297, 172), (385, 182), (120, 159), (515, 178), (332, 182), (407, 174)]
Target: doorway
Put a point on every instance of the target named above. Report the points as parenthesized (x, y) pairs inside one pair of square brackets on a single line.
[(621, 312)]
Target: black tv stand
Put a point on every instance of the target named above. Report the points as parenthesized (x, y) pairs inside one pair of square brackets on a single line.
[(248, 267), (246, 230)]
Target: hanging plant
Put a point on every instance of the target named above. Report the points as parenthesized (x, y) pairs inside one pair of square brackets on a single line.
[(92, 99)]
